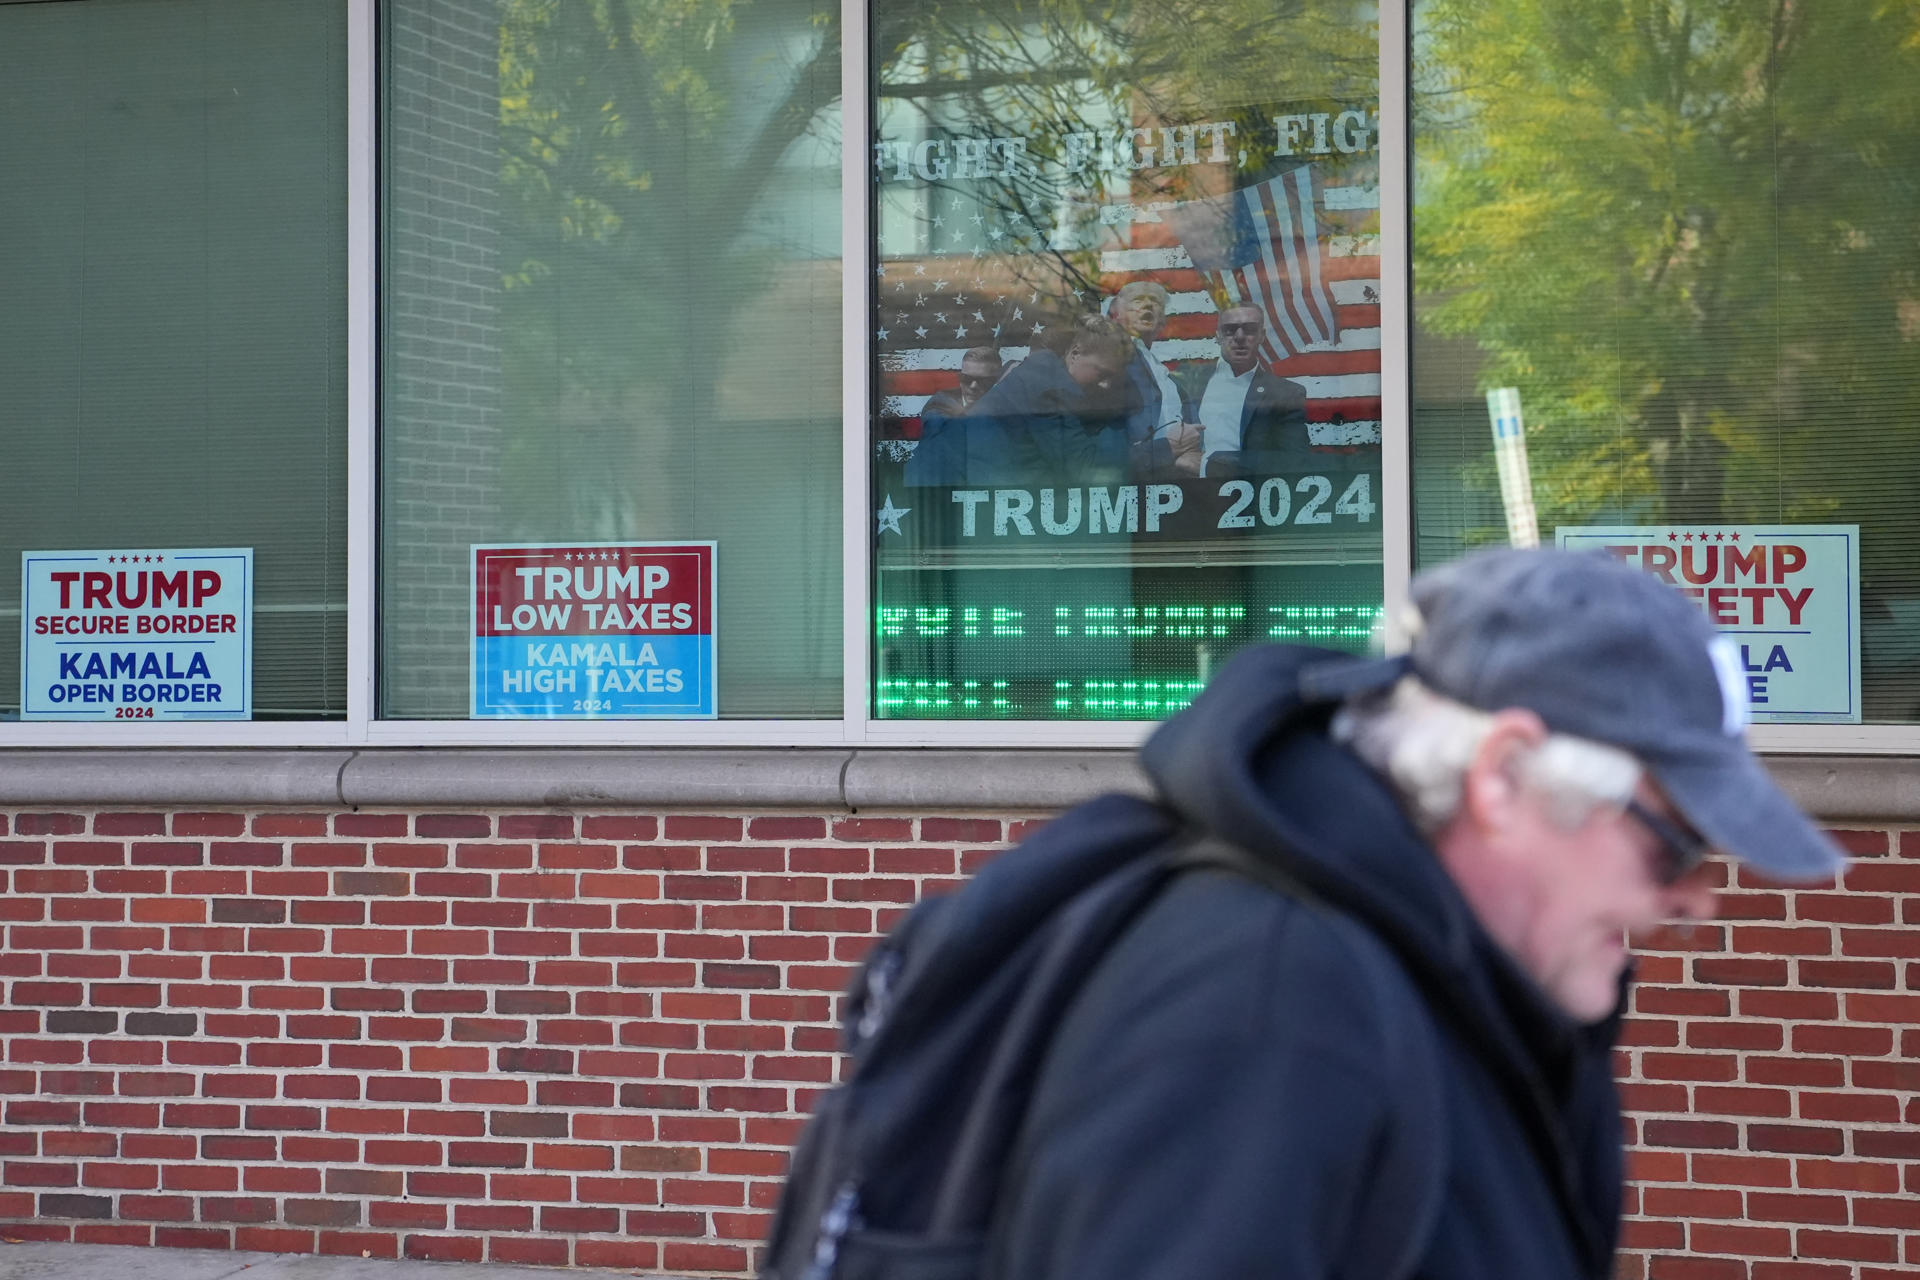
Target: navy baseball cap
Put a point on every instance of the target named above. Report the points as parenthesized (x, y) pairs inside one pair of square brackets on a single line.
[(1604, 651)]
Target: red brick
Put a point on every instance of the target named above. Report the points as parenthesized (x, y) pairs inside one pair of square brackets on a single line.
[(603, 827), (703, 828)]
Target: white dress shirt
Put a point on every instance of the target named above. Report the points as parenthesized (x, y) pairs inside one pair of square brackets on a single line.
[(1169, 392), (1221, 408)]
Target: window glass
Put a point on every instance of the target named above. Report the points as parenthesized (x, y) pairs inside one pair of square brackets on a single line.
[(611, 304), (1688, 237), (1126, 318), (172, 342)]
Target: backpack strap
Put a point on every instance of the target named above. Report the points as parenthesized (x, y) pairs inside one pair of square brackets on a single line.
[(1407, 1205), (1087, 929)]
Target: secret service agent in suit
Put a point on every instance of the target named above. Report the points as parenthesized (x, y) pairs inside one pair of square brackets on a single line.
[(1253, 421)]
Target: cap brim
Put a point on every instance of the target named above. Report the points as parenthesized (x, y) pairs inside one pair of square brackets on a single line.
[(1730, 799)]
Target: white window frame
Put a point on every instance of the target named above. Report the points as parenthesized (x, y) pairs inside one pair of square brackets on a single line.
[(856, 727)]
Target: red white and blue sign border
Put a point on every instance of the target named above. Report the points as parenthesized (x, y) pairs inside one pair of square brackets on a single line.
[(702, 684)]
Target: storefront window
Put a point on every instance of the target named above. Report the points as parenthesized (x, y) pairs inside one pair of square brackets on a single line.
[(1126, 316), (173, 344), (1686, 237), (611, 298)]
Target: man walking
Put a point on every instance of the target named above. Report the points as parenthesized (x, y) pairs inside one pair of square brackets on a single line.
[(1384, 1051)]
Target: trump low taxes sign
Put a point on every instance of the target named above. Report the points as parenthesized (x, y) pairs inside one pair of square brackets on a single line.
[(136, 635), (1789, 594), (595, 630)]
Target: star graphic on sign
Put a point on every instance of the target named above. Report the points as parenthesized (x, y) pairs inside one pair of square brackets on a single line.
[(880, 270), (939, 221), (1035, 297), (1017, 313), (1734, 536), (940, 317), (921, 332), (919, 268), (1686, 537), (900, 286), (938, 285), (889, 517), (961, 332), (882, 334), (977, 316), (978, 220), (1673, 537), (1039, 328), (996, 234)]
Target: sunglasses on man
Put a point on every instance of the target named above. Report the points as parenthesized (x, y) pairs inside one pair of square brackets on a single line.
[(1681, 848)]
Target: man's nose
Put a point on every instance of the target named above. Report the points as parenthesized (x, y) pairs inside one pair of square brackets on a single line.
[(1692, 897)]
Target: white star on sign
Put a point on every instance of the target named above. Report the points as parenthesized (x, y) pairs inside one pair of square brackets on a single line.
[(920, 332), (881, 334), (889, 516)]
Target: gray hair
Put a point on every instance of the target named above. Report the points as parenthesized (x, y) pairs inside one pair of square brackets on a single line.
[(1421, 742)]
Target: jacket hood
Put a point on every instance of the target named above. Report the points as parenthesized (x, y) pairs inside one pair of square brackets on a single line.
[(1251, 762)]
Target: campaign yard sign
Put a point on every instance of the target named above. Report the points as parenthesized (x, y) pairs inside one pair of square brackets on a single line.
[(1789, 594), (137, 635), (594, 630)]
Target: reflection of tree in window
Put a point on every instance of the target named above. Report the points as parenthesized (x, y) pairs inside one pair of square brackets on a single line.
[(1686, 232)]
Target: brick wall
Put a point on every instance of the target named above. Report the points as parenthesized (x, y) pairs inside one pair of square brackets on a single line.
[(588, 1038), (1772, 1068)]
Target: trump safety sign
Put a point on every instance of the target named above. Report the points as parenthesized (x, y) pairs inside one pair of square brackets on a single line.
[(136, 635), (594, 630), (1789, 595)]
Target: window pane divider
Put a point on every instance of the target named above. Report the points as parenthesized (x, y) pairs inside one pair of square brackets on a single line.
[(363, 361), (858, 250)]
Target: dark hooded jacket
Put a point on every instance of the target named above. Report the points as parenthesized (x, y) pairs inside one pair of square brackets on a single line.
[(1353, 1082)]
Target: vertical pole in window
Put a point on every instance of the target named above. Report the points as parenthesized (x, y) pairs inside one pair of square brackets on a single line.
[(857, 251), (362, 356), (1396, 403)]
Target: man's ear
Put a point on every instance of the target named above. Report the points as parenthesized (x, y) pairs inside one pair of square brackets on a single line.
[(1492, 783)]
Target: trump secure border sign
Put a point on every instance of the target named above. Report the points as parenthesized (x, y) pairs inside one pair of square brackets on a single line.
[(1788, 594), (136, 635), (594, 630)]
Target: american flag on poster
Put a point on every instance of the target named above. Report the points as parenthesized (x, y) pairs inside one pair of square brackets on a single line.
[(1260, 245), (931, 309)]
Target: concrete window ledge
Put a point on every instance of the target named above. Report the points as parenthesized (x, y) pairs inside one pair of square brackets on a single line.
[(1834, 788), (624, 777)]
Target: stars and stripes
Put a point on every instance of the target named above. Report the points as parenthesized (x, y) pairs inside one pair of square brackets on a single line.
[(1323, 286), (1260, 246)]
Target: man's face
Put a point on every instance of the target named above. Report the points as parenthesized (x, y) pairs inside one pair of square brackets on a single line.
[(1091, 367), (1568, 905), (1560, 899), (977, 377), (1141, 314), (1240, 329)]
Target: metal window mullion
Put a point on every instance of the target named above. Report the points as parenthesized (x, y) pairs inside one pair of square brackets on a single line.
[(363, 123), (857, 254), (1396, 316)]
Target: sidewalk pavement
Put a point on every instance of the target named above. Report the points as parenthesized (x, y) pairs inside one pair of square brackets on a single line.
[(34, 1261)]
